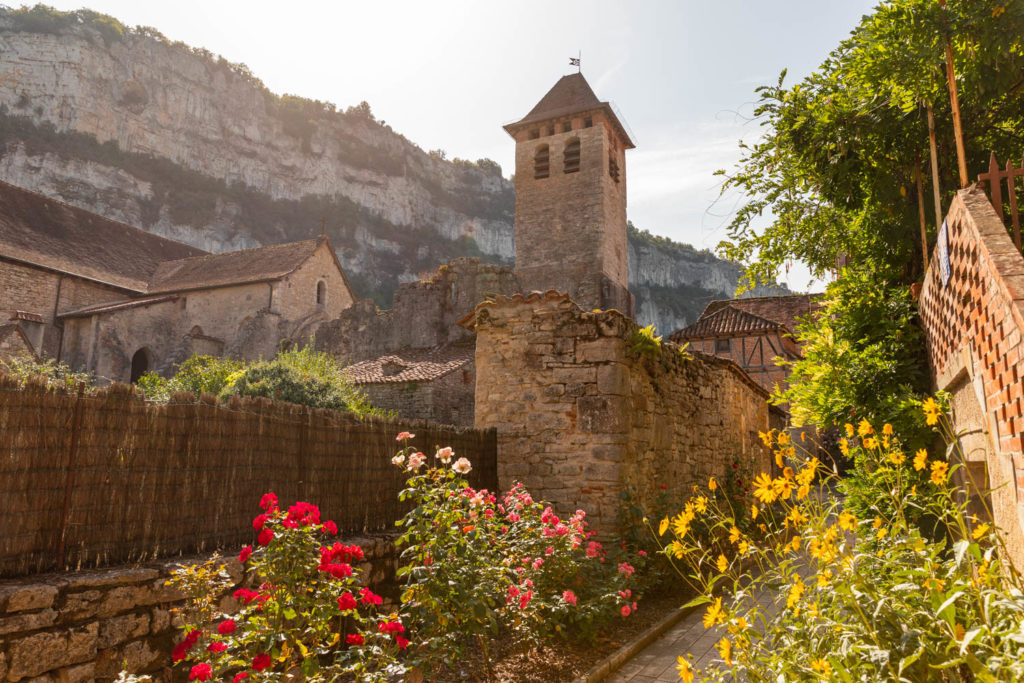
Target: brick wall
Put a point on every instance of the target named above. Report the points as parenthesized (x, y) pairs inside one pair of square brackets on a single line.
[(88, 625), (973, 325), (580, 418)]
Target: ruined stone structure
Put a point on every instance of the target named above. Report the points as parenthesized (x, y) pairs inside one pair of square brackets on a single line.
[(581, 418), (117, 301), (752, 333), (972, 311), (570, 218)]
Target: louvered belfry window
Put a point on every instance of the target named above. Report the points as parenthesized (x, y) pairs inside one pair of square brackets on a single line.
[(541, 162), (572, 156)]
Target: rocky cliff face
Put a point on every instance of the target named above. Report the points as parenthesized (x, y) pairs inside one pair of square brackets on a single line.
[(181, 143)]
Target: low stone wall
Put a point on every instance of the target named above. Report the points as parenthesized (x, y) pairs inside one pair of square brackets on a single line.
[(974, 322), (89, 625), (581, 418)]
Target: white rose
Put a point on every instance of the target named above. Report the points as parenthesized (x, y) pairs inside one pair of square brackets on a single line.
[(398, 460), (462, 466), (445, 454), (416, 461)]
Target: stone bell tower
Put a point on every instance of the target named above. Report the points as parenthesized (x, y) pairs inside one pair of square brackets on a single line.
[(570, 219)]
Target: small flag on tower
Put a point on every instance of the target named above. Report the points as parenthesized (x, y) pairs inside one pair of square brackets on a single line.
[(574, 61)]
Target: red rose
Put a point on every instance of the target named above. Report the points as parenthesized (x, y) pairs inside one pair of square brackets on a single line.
[(346, 602), (368, 597), (261, 662), (179, 652), (330, 527), (227, 626), (200, 672), (217, 647), (402, 642), (258, 521), (246, 553), (265, 536), (354, 639), (269, 500), (239, 676)]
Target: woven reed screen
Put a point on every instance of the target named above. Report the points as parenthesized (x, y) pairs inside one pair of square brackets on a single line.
[(99, 478)]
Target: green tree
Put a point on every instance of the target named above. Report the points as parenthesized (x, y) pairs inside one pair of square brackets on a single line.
[(835, 168)]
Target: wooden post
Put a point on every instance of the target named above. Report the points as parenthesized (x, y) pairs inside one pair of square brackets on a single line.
[(954, 103), (933, 151), (69, 480), (920, 213)]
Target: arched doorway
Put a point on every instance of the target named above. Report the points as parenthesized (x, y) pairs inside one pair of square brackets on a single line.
[(142, 362)]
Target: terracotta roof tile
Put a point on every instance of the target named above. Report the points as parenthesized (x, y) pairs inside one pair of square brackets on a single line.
[(232, 267), (25, 315), (44, 232), (410, 366), (727, 322), (782, 309)]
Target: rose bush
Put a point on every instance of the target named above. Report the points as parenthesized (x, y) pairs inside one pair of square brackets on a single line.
[(306, 612), (479, 566)]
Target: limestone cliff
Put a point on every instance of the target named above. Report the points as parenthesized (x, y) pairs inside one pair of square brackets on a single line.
[(179, 142)]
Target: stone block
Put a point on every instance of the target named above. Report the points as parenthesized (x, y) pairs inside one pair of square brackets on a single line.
[(140, 656), (116, 630), (3, 666), (613, 379), (160, 620), (82, 642), (77, 674), (602, 414), (19, 598), (81, 605), (37, 654), (110, 577), (604, 350), (122, 599), (33, 621)]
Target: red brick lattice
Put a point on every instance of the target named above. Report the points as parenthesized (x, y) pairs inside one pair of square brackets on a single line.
[(978, 309)]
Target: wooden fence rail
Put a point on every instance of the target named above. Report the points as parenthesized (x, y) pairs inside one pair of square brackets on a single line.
[(994, 178), (89, 479)]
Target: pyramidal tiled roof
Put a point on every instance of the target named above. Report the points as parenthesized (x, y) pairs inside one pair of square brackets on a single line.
[(785, 310), (727, 321), (570, 95)]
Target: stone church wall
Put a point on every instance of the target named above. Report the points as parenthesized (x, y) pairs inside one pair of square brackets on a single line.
[(581, 419)]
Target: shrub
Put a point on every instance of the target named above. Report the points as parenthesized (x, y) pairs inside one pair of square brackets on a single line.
[(198, 374), (864, 339), (280, 382), (309, 618), (854, 598), (478, 566), (24, 368)]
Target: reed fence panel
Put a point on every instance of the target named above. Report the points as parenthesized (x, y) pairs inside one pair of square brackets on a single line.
[(98, 478)]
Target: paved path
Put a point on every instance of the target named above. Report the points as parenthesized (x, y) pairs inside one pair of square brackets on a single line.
[(657, 661)]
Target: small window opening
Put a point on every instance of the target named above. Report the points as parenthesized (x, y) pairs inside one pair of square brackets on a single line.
[(141, 362), (534, 134), (723, 346), (572, 156), (321, 293), (613, 166), (567, 126), (551, 130), (588, 122), (541, 163)]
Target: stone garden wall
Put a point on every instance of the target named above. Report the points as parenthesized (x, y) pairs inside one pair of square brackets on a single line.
[(581, 418), (89, 625)]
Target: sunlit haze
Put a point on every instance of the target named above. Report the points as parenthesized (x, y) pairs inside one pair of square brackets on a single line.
[(447, 75)]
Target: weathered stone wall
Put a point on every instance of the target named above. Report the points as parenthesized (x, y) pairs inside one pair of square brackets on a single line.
[(446, 400), (88, 625), (296, 294), (424, 315), (580, 417), (973, 324), (35, 290)]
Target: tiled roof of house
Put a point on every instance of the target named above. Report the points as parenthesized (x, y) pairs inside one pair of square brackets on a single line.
[(112, 306), (25, 315), (781, 309), (44, 232), (418, 365), (727, 322), (570, 95), (232, 267)]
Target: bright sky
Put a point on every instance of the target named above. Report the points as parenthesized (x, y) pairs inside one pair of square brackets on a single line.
[(448, 74)]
